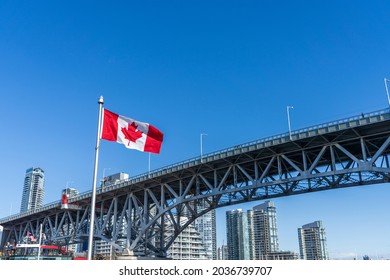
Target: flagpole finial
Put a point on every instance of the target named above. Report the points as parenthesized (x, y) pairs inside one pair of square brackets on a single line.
[(101, 101)]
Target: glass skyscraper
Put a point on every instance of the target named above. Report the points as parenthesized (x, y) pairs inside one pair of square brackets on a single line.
[(207, 228), (33, 189), (253, 235), (263, 230), (237, 235), (312, 241)]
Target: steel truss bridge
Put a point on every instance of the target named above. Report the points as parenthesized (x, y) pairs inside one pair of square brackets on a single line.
[(146, 213)]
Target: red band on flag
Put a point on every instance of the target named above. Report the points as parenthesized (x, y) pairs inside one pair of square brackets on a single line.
[(154, 140), (110, 126)]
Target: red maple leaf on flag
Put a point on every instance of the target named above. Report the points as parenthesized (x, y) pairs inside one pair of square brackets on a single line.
[(131, 132)]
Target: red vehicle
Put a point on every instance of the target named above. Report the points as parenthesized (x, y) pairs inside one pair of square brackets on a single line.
[(39, 252)]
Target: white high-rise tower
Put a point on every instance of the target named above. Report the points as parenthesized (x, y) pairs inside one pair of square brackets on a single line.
[(263, 230), (33, 189), (312, 241)]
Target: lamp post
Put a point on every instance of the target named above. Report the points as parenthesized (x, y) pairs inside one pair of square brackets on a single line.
[(288, 119), (201, 145), (387, 91), (104, 172)]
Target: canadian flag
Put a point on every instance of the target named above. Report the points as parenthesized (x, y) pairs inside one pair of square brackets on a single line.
[(131, 133)]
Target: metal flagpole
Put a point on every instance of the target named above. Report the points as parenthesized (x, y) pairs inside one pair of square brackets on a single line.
[(92, 223), (40, 241)]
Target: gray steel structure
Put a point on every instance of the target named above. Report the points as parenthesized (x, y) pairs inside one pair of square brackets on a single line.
[(135, 213)]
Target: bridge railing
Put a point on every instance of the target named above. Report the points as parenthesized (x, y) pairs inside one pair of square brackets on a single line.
[(341, 124)]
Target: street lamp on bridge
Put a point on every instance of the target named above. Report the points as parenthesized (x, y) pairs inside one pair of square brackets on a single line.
[(387, 91), (288, 120), (201, 145)]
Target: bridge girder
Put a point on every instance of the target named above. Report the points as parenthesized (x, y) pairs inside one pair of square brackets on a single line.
[(146, 216)]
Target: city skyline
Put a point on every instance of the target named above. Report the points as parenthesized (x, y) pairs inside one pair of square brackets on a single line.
[(226, 71), (253, 234)]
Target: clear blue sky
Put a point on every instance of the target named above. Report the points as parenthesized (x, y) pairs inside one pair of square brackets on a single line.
[(225, 68)]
